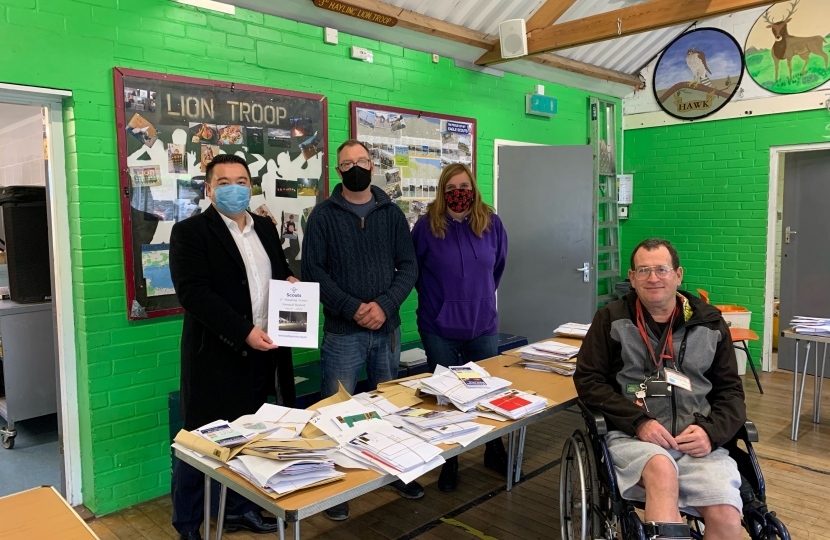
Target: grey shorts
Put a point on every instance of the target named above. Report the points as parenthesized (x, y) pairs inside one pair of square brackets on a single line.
[(706, 481)]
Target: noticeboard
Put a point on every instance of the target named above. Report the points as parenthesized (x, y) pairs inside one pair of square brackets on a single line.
[(410, 148), (170, 127)]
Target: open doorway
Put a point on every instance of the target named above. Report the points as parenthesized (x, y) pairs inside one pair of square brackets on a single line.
[(798, 262), (38, 407)]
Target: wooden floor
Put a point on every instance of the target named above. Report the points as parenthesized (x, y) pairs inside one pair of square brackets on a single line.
[(797, 475)]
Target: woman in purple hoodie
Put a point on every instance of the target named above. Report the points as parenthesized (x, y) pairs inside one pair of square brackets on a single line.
[(461, 247)]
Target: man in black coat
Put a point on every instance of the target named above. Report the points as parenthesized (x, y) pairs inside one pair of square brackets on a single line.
[(221, 262)]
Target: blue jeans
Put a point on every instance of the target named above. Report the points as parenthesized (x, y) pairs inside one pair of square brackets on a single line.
[(455, 352), (342, 357)]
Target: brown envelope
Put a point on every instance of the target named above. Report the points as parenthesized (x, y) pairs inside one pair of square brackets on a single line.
[(312, 432), (205, 447), (294, 444), (400, 396)]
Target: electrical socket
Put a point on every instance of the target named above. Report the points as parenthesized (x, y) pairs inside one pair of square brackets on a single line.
[(359, 53), (331, 36), (622, 212), (434, 58)]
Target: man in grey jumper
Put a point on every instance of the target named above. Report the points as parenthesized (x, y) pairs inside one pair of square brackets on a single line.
[(357, 246)]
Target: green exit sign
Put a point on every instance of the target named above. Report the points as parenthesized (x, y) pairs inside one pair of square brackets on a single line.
[(541, 105)]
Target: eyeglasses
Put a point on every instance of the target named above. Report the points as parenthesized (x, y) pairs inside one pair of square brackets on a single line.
[(662, 271), (346, 165)]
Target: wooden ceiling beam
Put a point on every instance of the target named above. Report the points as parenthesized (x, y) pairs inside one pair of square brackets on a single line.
[(459, 34), (574, 66), (624, 22), (548, 13), (427, 25)]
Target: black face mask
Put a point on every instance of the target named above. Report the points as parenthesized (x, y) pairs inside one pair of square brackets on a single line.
[(357, 178)]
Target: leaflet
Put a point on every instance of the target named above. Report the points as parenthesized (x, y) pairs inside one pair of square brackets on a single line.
[(221, 433), (468, 376)]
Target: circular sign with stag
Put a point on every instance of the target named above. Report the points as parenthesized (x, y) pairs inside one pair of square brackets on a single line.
[(787, 49), (698, 73)]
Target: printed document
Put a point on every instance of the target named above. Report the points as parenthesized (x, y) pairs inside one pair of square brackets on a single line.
[(294, 313)]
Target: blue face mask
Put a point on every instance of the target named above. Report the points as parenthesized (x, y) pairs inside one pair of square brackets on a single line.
[(232, 198)]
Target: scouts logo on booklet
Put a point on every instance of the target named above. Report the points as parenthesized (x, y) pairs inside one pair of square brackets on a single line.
[(698, 73)]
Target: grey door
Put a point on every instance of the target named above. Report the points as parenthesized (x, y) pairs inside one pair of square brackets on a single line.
[(805, 258), (546, 202)]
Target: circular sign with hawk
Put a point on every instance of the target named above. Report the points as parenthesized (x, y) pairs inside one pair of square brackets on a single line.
[(698, 73)]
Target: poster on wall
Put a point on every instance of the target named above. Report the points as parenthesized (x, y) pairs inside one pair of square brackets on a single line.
[(787, 49), (170, 128), (698, 73), (409, 149)]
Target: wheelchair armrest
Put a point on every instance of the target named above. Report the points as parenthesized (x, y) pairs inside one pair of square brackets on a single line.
[(594, 418), (748, 432)]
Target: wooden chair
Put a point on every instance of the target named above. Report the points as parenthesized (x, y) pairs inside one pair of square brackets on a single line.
[(740, 336)]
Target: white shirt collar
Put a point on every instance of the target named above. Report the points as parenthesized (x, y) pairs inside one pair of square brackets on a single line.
[(249, 222)]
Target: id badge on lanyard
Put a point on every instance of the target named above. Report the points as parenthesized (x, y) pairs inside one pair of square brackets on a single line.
[(661, 385)]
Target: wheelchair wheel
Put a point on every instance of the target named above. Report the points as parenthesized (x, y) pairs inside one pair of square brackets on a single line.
[(579, 516)]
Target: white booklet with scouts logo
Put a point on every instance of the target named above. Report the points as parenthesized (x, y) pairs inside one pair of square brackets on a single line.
[(294, 314)]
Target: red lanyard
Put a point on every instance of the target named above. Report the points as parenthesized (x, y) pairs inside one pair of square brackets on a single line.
[(667, 344)]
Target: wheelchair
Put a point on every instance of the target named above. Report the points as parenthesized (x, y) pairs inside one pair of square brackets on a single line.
[(590, 505)]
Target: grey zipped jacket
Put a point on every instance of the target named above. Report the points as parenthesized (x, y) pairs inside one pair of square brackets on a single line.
[(614, 360)]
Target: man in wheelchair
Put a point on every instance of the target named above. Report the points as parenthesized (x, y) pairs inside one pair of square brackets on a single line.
[(660, 365)]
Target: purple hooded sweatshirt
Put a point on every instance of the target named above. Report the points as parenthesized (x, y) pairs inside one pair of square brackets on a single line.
[(457, 278)]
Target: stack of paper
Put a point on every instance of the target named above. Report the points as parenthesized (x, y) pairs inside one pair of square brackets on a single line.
[(562, 368), (515, 404), (574, 330), (549, 350), (291, 449), (413, 358), (450, 388), (442, 433), (394, 451), (426, 419), (813, 326), (281, 477)]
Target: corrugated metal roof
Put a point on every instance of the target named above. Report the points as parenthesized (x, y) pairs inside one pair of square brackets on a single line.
[(627, 54)]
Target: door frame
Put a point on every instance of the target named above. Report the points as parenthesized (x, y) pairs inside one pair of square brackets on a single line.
[(496, 144), (52, 100), (775, 154)]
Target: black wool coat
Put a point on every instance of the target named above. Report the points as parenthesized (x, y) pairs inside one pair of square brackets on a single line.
[(223, 378)]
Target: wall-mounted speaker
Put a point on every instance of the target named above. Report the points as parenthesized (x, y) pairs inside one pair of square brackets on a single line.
[(513, 37)]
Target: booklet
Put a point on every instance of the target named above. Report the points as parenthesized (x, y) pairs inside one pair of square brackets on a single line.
[(469, 376), (294, 313)]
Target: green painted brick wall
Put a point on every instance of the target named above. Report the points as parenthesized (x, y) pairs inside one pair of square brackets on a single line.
[(705, 187), (126, 370)]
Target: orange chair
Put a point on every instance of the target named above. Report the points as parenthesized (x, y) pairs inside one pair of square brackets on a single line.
[(705, 297), (742, 335)]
